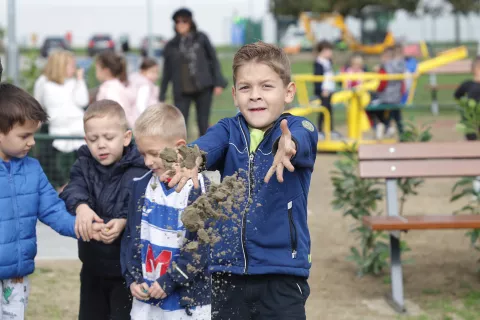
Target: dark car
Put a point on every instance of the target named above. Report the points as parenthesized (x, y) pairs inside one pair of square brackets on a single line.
[(51, 44), (158, 46), (99, 43)]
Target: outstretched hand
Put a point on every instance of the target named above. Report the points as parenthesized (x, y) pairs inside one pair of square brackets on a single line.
[(286, 150), (179, 175)]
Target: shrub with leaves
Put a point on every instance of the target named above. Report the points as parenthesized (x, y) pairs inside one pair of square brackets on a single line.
[(357, 198), (463, 189)]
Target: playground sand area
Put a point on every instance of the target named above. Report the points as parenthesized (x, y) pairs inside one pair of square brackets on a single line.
[(441, 279)]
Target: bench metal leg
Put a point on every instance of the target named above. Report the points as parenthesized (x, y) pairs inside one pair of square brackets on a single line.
[(396, 300)]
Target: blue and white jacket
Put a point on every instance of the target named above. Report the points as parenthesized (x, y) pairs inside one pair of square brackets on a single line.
[(272, 236), (153, 240), (26, 196)]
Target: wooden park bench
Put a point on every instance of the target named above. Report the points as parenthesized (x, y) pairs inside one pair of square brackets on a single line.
[(409, 160)]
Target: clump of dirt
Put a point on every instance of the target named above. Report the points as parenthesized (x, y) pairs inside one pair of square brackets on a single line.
[(186, 157), (217, 203)]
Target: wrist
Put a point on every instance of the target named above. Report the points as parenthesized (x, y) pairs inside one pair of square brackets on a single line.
[(81, 207)]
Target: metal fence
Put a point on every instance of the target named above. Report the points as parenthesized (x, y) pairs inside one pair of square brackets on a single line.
[(55, 164)]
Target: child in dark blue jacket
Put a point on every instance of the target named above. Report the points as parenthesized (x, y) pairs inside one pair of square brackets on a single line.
[(168, 282), (261, 264), (99, 189)]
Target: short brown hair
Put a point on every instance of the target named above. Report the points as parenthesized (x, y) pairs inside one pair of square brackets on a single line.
[(147, 63), (106, 108), (323, 45), (265, 53), (115, 63), (17, 106), (56, 68), (162, 120)]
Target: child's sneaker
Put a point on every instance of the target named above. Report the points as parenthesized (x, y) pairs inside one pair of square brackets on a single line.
[(391, 132), (379, 131)]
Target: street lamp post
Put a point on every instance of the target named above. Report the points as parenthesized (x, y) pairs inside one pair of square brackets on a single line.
[(12, 50)]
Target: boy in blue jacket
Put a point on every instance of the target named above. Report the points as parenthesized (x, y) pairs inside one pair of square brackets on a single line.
[(99, 187), (25, 196), (168, 282), (261, 264)]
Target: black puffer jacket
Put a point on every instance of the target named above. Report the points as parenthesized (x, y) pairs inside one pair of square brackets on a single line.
[(106, 190), (208, 68)]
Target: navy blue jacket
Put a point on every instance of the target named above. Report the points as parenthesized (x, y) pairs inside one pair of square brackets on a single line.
[(194, 291), (272, 236), (106, 190)]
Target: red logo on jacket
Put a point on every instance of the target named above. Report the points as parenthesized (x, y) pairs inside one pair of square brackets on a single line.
[(156, 267)]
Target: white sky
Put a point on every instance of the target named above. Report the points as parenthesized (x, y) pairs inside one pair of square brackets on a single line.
[(85, 17)]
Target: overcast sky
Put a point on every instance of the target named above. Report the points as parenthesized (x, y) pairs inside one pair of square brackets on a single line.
[(84, 17)]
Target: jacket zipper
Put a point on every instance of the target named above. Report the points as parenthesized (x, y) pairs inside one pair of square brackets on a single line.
[(244, 218), (11, 181), (251, 158), (293, 231)]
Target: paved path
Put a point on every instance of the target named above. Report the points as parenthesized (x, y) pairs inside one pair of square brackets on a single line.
[(52, 246)]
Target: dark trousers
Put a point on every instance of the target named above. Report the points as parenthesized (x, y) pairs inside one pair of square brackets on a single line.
[(258, 297), (103, 298), (327, 103), (203, 104), (396, 115)]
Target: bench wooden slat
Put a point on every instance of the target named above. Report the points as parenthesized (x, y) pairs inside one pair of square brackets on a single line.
[(422, 222), (420, 150), (420, 168)]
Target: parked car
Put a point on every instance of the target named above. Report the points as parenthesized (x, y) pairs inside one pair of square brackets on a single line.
[(99, 43), (158, 46), (51, 44)]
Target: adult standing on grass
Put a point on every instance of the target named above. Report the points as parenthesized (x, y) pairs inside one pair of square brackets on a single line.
[(191, 64)]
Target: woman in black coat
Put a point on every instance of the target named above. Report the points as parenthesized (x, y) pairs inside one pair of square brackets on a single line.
[(191, 63)]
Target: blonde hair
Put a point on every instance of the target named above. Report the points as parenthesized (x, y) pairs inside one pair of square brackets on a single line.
[(106, 108), (265, 53), (56, 68), (161, 120)]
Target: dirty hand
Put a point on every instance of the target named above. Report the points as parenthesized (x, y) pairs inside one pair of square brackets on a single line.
[(286, 150), (217, 91), (182, 175), (84, 221), (156, 291), (112, 230), (139, 291)]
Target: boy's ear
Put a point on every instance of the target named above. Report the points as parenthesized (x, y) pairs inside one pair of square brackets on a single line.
[(233, 96), (290, 92), (180, 142), (127, 138)]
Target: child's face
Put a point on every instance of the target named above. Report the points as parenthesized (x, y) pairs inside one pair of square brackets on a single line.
[(150, 148), (71, 68), (260, 94), (106, 138), (18, 142), (357, 64), (151, 73), (101, 72), (327, 53)]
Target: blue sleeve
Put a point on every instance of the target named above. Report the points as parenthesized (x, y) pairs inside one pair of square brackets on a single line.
[(318, 71), (181, 274), (130, 250), (52, 210), (305, 136), (76, 191), (215, 144)]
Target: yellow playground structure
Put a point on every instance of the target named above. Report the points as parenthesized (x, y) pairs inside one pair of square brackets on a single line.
[(357, 101)]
